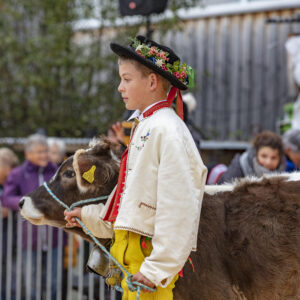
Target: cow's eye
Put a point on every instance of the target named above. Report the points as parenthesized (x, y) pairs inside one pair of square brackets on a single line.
[(69, 174)]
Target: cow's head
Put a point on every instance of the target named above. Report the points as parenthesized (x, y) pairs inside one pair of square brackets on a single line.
[(89, 173)]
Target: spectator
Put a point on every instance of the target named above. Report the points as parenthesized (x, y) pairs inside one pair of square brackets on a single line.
[(214, 173), (189, 105), (22, 180), (8, 160), (116, 134), (291, 142), (57, 150), (265, 156)]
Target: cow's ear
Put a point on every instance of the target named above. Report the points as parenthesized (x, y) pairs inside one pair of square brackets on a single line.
[(100, 147), (84, 169)]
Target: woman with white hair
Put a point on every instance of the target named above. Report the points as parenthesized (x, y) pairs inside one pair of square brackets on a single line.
[(22, 180), (57, 150)]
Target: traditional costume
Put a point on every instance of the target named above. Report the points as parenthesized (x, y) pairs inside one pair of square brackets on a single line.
[(154, 210)]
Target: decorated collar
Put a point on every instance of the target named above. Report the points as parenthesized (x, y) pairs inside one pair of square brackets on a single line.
[(141, 116)]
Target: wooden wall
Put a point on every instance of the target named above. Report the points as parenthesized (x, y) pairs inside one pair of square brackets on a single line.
[(241, 77)]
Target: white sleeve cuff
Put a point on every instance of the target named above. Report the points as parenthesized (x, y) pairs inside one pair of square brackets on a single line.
[(90, 216)]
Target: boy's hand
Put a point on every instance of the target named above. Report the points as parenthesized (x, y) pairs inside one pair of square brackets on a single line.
[(139, 277), (70, 217)]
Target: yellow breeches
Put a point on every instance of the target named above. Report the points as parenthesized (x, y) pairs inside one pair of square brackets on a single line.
[(128, 251)]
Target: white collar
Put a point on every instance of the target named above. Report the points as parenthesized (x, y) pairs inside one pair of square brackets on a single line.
[(139, 115)]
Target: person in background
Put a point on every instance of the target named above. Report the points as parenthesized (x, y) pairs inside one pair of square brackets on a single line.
[(116, 135), (189, 105), (8, 160), (265, 156), (291, 143), (22, 180), (214, 173), (57, 150)]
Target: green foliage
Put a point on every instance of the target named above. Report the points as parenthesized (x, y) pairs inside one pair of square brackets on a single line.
[(50, 80)]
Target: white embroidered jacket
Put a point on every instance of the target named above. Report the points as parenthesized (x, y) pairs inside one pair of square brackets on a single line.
[(162, 197)]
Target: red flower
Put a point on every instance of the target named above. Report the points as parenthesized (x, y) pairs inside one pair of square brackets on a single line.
[(164, 67)]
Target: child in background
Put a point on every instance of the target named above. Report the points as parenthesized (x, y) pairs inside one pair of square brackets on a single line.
[(265, 156)]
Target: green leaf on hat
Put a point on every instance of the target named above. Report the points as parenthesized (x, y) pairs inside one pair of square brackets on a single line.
[(191, 76)]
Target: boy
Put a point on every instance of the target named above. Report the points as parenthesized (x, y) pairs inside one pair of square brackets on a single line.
[(155, 208)]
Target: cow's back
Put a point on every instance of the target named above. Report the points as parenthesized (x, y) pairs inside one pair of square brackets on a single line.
[(247, 245)]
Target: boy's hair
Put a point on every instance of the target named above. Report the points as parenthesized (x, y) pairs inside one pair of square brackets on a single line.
[(146, 71), (268, 139), (8, 158), (291, 139)]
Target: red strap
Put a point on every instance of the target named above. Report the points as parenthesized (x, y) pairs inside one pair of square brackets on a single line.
[(171, 95), (113, 209), (179, 103)]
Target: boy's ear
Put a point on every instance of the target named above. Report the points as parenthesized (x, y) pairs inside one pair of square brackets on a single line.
[(153, 81)]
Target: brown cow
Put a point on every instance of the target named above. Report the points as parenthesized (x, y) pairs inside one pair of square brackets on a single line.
[(249, 235)]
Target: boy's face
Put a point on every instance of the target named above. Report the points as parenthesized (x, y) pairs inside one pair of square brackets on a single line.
[(268, 158), (133, 86)]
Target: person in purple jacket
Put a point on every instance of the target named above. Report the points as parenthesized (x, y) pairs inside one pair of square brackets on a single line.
[(24, 179)]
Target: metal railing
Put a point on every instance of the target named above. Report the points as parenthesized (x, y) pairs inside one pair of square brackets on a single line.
[(52, 273)]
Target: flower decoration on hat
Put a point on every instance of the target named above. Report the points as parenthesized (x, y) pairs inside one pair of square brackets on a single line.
[(182, 72)]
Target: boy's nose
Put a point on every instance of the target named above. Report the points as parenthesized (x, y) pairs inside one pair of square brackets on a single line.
[(120, 88)]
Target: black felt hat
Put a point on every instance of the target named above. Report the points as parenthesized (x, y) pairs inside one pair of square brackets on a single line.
[(130, 52)]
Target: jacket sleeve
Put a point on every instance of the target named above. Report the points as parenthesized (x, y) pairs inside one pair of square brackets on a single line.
[(177, 212), (11, 193), (92, 218), (234, 171)]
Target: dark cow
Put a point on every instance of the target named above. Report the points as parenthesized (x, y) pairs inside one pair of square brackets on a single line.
[(249, 234)]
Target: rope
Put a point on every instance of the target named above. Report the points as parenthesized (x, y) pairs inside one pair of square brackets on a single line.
[(133, 286)]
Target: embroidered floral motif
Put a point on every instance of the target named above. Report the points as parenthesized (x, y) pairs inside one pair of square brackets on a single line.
[(144, 139)]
